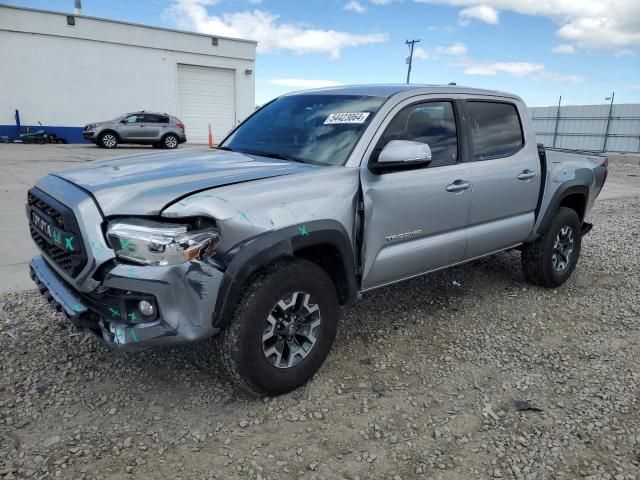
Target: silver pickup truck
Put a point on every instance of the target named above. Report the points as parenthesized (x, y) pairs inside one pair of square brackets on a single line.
[(315, 199)]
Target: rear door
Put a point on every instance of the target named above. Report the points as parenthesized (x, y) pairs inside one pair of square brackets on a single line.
[(132, 128), (156, 125), (415, 220), (505, 175)]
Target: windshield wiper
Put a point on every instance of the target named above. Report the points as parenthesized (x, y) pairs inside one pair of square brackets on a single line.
[(228, 149), (279, 156)]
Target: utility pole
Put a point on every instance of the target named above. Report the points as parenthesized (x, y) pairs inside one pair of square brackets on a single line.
[(411, 43), (555, 130), (606, 133)]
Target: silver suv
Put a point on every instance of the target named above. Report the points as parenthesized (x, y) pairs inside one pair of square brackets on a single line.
[(144, 128)]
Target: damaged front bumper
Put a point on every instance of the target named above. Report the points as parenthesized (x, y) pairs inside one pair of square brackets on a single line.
[(182, 297)]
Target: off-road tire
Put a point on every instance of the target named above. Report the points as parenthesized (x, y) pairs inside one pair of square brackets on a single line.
[(239, 346), (537, 262), (108, 140)]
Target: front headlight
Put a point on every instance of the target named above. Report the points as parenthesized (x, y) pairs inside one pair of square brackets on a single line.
[(156, 243)]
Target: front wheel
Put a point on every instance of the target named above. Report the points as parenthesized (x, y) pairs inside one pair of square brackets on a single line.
[(108, 140), (282, 329), (550, 260)]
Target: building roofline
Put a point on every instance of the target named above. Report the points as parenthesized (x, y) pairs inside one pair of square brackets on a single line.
[(122, 22)]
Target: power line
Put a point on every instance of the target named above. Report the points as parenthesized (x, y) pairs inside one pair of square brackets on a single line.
[(411, 43)]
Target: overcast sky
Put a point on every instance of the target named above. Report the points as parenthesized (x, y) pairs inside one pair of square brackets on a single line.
[(580, 49)]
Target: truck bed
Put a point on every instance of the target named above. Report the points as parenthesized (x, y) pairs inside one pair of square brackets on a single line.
[(564, 169)]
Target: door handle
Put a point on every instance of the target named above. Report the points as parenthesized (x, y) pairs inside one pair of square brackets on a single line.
[(526, 175), (458, 186)]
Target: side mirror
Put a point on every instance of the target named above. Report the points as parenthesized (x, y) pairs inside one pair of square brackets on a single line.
[(402, 155)]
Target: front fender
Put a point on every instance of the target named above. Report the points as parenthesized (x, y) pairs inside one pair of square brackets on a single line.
[(242, 261)]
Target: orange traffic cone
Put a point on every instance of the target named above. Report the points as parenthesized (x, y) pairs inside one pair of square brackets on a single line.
[(210, 137)]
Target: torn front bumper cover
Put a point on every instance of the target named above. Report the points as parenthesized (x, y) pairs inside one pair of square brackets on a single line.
[(183, 299)]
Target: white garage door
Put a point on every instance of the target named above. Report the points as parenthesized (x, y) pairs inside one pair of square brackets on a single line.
[(206, 95)]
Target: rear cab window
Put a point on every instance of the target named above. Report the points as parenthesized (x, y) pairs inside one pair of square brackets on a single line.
[(495, 128)]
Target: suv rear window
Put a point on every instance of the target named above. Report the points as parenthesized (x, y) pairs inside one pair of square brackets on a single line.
[(495, 129), (150, 118)]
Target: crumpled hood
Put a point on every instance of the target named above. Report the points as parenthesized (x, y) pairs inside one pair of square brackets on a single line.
[(145, 184)]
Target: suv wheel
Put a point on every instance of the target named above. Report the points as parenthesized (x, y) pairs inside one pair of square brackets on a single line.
[(108, 140), (550, 260), (282, 329), (170, 141)]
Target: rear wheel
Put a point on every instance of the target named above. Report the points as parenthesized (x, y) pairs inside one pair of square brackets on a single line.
[(108, 140), (170, 141), (282, 330), (550, 260)]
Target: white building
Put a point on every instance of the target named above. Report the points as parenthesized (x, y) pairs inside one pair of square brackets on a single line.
[(68, 70)]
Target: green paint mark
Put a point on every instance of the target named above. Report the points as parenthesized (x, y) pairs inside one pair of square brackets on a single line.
[(114, 312), (222, 198), (190, 199), (131, 272), (244, 215), (134, 335), (124, 243), (303, 231), (77, 308), (132, 316), (57, 237), (96, 246), (68, 243)]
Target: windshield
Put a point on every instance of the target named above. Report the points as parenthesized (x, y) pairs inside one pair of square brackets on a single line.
[(319, 129)]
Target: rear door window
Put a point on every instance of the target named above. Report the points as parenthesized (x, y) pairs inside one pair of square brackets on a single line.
[(495, 128), (151, 118)]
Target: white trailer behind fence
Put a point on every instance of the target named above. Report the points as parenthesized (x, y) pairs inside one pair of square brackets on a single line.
[(600, 128)]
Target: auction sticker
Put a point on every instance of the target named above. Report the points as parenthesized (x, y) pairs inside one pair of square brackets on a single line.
[(347, 117)]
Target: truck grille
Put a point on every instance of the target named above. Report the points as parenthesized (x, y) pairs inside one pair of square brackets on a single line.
[(61, 218)]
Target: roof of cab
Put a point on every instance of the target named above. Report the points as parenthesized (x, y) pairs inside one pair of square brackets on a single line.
[(388, 90)]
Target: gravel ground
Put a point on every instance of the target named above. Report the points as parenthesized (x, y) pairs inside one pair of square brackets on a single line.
[(423, 382)]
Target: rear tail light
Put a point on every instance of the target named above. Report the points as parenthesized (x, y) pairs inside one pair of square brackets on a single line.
[(180, 124), (605, 163), (601, 161)]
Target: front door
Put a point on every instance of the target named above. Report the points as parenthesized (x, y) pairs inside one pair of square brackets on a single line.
[(132, 128), (415, 220), (505, 176)]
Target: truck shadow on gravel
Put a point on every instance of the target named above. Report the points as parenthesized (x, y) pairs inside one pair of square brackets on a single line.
[(421, 299)]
